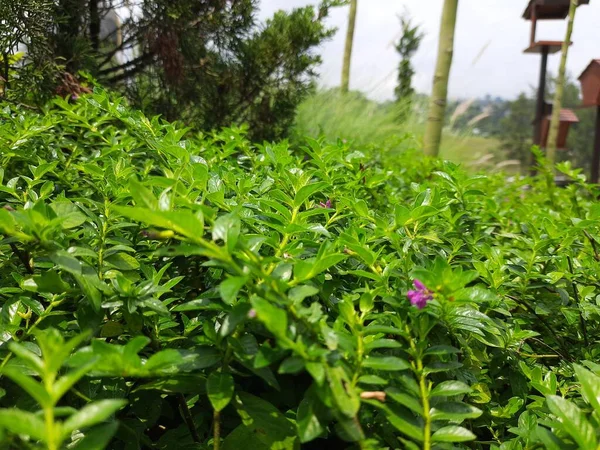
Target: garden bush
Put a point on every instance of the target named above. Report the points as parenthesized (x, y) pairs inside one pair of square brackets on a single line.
[(160, 289)]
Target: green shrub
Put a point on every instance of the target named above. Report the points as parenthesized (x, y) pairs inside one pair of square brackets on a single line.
[(164, 290)]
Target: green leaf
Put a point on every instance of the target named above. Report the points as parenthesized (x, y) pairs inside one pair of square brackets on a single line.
[(548, 439), (388, 363), (590, 386), (382, 343), (403, 421), (266, 422), (273, 318), (70, 215), (229, 288), (122, 261), (450, 388), (344, 396), (50, 282), (306, 191), (97, 438), (238, 315), (66, 262), (454, 411), (574, 422), (64, 383), (92, 414), (309, 426), (401, 215), (164, 361), (183, 222), (87, 285), (299, 293), (227, 228), (373, 380), (219, 388), (309, 268), (176, 384), (244, 437), (349, 429), (293, 365), (29, 385), (8, 225), (30, 358), (452, 433), (21, 422), (142, 196), (405, 399)]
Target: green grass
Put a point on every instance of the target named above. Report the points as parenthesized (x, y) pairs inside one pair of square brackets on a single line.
[(355, 118)]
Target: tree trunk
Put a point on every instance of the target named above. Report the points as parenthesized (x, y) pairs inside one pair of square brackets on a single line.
[(439, 93), (94, 24), (560, 85), (348, 48)]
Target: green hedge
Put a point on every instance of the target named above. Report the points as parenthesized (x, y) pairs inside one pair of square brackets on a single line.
[(163, 290)]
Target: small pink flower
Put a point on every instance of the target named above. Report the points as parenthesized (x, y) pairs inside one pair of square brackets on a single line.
[(327, 204), (252, 314), (420, 296)]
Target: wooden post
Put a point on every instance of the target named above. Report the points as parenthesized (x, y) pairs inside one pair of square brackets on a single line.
[(596, 156), (533, 26), (541, 100), (539, 109)]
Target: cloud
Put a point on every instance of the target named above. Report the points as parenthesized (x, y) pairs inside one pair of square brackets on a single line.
[(492, 29)]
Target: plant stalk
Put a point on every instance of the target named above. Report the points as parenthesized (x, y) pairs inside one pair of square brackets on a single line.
[(576, 296), (348, 49), (187, 417), (560, 86), (439, 93), (216, 430)]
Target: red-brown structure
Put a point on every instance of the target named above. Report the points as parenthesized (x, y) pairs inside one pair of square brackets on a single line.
[(590, 87), (545, 10), (567, 117), (550, 9), (590, 84)]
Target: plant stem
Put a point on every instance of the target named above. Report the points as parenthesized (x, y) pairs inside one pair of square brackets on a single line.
[(544, 322), (576, 296), (424, 393), (216, 430), (360, 350), (49, 418), (187, 417)]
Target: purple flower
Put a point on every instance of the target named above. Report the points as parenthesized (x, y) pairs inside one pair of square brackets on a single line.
[(327, 204), (252, 313), (420, 296)]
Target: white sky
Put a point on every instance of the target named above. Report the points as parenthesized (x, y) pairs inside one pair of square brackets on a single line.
[(494, 27)]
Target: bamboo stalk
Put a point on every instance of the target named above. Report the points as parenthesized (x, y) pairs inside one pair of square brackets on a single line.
[(439, 93), (560, 85), (348, 49)]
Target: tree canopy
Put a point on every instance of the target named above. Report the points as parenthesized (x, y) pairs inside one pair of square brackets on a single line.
[(208, 63)]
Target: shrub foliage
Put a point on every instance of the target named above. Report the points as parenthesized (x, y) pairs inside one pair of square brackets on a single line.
[(163, 290)]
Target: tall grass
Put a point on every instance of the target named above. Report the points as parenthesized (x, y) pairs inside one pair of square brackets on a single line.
[(396, 126)]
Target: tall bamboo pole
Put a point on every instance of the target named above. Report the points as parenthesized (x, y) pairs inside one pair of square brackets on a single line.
[(348, 48), (439, 93), (560, 85)]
